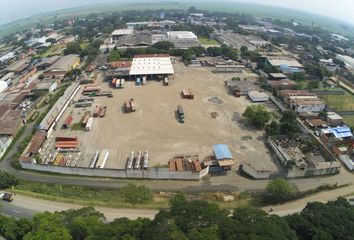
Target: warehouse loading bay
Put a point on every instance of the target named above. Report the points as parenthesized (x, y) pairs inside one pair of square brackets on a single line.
[(212, 117)]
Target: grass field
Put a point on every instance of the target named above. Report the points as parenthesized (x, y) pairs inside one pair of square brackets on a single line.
[(208, 41), (115, 197), (340, 102), (224, 6), (54, 50), (349, 120)]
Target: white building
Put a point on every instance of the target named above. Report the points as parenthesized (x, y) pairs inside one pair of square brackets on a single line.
[(3, 86), (145, 65), (349, 61), (257, 96), (302, 104), (116, 34)]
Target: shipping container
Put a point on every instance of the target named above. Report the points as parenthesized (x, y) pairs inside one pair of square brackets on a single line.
[(146, 159), (65, 139), (130, 160), (89, 124), (137, 160), (132, 105), (101, 162), (127, 106), (144, 80), (165, 82), (118, 83), (94, 159)]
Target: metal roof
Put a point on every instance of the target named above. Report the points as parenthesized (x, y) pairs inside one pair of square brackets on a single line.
[(151, 65), (222, 152), (341, 132)]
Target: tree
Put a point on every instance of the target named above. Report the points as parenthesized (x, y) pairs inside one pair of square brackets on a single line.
[(288, 125), (7, 180), (278, 190), (136, 194), (332, 220), (313, 85), (48, 226), (252, 223), (164, 45), (258, 115), (114, 56), (72, 48), (272, 128)]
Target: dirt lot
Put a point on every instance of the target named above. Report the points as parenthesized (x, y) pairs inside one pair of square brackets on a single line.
[(154, 126)]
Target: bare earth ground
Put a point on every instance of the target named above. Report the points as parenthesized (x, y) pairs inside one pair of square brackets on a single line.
[(154, 126)]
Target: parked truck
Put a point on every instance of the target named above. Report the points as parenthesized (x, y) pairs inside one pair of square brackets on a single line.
[(146, 160), (180, 113), (89, 124), (101, 162)]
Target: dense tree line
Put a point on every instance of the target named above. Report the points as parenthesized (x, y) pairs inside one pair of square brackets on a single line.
[(189, 220)]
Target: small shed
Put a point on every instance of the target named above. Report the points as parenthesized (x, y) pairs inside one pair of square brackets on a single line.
[(257, 96), (223, 156)]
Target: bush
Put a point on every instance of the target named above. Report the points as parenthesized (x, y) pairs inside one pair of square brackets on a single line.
[(257, 115), (136, 194), (7, 180), (278, 190)]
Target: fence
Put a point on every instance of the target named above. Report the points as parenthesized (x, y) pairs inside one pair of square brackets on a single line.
[(150, 173)]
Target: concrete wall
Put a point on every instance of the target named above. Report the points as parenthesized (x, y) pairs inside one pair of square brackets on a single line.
[(151, 173), (254, 173)]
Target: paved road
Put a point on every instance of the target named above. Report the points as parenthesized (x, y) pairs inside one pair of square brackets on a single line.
[(298, 205), (27, 207)]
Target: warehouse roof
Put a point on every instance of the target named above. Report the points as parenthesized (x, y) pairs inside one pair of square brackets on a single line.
[(124, 31), (222, 152), (339, 132), (65, 63), (277, 62), (151, 65)]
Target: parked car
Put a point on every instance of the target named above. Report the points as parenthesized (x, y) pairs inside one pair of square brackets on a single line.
[(9, 197)]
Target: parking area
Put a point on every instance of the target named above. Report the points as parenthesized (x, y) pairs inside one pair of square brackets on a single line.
[(212, 117)]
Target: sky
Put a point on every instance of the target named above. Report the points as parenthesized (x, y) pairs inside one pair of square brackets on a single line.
[(11, 10)]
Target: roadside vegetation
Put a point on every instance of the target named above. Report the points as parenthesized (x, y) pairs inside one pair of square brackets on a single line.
[(189, 220)]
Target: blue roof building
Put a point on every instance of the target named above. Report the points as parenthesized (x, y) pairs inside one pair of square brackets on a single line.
[(222, 152), (339, 132)]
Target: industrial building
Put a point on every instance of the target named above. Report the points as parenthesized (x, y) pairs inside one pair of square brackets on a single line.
[(62, 66), (349, 61), (117, 34), (49, 122), (151, 66), (236, 40), (285, 65), (222, 159)]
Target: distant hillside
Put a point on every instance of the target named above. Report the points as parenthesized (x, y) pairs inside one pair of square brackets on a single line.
[(223, 6)]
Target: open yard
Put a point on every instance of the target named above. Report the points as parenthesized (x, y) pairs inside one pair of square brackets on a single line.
[(155, 127)]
